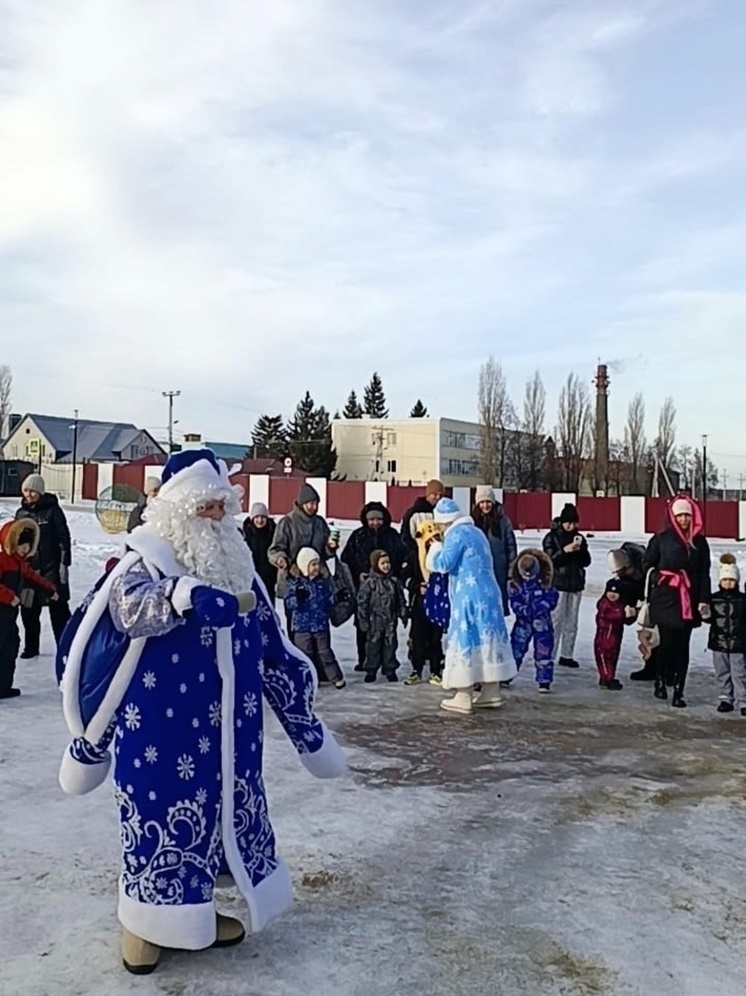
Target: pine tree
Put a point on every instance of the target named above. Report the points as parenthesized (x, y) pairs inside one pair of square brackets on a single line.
[(268, 437), (309, 435), (353, 408), (419, 410), (374, 400)]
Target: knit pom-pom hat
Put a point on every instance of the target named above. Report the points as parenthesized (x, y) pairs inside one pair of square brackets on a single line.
[(728, 568)]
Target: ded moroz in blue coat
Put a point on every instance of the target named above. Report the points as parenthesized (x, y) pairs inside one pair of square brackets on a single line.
[(477, 649), (182, 707)]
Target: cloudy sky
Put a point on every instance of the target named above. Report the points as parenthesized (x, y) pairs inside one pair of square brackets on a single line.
[(243, 200)]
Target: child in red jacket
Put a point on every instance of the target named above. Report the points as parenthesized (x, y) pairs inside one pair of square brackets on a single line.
[(19, 539), (611, 616)]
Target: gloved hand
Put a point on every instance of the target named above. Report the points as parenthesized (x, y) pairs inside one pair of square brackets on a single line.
[(301, 595), (246, 602), (214, 607)]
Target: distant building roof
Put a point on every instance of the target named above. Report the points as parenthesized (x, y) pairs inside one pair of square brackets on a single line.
[(96, 440)]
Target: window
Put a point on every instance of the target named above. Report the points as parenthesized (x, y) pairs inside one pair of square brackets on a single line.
[(459, 468), (391, 466), (391, 439), (461, 440)]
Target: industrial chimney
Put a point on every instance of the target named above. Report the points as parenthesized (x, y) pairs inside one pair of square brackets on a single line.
[(602, 428)]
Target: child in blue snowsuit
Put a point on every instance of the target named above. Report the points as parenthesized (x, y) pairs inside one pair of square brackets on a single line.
[(532, 600)]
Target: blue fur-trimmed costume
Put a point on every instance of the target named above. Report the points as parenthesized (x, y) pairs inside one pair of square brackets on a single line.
[(532, 600), (179, 704)]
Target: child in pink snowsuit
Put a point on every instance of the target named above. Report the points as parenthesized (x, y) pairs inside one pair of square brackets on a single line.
[(611, 616)]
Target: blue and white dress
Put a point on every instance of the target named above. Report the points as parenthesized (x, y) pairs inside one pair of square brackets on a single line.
[(183, 711), (476, 644)]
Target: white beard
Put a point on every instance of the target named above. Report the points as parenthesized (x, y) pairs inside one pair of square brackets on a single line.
[(213, 552)]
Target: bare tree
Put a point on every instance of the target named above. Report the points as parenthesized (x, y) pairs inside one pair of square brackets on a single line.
[(635, 441), (6, 389), (685, 462), (665, 442), (495, 414), (534, 414), (573, 425)]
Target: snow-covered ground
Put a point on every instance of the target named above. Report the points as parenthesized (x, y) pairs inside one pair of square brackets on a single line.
[(581, 843)]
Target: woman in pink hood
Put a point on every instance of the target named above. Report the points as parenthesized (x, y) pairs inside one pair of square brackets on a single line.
[(679, 558)]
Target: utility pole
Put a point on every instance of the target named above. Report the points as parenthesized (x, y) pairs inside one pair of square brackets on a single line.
[(704, 482), (171, 395), (740, 486), (725, 484), (75, 456)]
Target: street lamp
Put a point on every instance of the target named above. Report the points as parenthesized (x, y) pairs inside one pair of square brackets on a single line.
[(704, 482), (171, 395), (74, 427)]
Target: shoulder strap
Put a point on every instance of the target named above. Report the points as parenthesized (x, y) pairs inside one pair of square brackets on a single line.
[(647, 583)]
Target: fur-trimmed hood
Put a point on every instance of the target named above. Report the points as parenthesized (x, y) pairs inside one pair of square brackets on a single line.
[(546, 573), (11, 531)]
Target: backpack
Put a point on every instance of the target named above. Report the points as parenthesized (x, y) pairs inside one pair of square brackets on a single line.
[(436, 603), (101, 656)]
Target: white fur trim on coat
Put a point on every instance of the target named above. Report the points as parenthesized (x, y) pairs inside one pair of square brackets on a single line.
[(77, 778), (326, 762), (181, 598)]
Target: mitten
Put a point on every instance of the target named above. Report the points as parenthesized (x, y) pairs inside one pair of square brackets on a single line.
[(246, 602), (214, 607)]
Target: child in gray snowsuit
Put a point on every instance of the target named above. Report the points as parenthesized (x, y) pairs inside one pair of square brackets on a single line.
[(381, 603)]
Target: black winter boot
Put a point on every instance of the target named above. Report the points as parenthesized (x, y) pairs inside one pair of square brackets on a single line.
[(568, 662), (678, 699), (646, 673), (660, 689), (725, 707)]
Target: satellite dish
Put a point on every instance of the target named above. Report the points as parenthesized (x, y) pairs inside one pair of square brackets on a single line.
[(114, 505)]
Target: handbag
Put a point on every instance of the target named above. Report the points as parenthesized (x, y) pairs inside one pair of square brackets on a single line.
[(649, 634)]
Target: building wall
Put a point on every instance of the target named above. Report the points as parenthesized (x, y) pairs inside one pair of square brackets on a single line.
[(408, 451), (26, 442), (386, 450)]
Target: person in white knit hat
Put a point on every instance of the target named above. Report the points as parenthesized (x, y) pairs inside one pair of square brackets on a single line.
[(679, 594), (728, 636), (259, 533), (168, 659), (488, 516)]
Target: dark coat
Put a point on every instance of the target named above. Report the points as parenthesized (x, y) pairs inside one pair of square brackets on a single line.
[(569, 568), (293, 532), (259, 542), (135, 517), (728, 622), (668, 551), (343, 590), (55, 545), (363, 541), (380, 604), (498, 529), (411, 568)]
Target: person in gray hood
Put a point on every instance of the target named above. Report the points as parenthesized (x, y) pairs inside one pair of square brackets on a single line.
[(303, 527)]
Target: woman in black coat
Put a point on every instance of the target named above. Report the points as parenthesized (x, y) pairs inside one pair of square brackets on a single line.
[(679, 558), (259, 531), (52, 560)]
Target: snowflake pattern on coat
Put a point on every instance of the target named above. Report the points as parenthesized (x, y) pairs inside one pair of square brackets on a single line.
[(476, 642), (532, 604)]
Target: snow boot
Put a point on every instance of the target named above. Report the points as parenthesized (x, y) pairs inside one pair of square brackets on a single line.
[(660, 689), (743, 712), (725, 707), (10, 693), (614, 685), (461, 702), (568, 662), (139, 957), (646, 673), (413, 679), (678, 698), (340, 683), (370, 678), (544, 688), (488, 697), (506, 684), (229, 932), (392, 677), (29, 655)]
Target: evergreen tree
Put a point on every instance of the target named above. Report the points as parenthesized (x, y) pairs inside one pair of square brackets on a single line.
[(353, 408), (374, 400), (309, 434), (419, 410), (268, 437)]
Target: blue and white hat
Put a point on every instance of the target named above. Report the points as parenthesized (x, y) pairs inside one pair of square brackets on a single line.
[(446, 510), (193, 473)]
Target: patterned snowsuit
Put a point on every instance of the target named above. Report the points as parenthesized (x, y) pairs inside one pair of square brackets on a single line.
[(381, 603), (183, 709), (532, 602), (607, 645)]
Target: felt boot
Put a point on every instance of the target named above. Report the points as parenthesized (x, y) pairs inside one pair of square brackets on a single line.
[(461, 702), (138, 956), (488, 697), (229, 932)]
